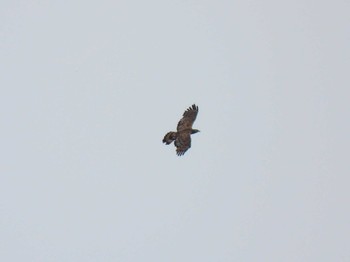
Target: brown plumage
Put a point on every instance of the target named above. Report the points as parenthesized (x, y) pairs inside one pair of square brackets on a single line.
[(182, 137)]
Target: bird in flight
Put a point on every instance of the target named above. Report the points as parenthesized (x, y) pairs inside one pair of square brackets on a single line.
[(182, 137)]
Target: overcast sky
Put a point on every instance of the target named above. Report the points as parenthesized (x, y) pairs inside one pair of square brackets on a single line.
[(89, 88)]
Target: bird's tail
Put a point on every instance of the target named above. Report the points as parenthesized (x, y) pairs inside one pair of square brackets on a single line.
[(169, 138)]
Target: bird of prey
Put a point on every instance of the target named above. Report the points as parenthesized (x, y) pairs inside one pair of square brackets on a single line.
[(182, 137)]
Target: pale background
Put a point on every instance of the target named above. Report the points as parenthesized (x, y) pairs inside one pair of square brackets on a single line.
[(89, 88)]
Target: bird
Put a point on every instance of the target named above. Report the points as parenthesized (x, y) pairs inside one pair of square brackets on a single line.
[(182, 137)]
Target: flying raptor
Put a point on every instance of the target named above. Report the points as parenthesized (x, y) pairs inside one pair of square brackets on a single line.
[(182, 137)]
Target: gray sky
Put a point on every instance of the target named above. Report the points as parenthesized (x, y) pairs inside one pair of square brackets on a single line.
[(88, 90)]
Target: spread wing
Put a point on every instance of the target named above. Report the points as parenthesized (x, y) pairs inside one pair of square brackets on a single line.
[(183, 142), (188, 117)]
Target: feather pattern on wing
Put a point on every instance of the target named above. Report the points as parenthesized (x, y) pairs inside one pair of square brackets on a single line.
[(188, 117), (183, 142)]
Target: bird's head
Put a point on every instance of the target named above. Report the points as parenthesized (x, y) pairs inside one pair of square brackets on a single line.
[(193, 131)]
